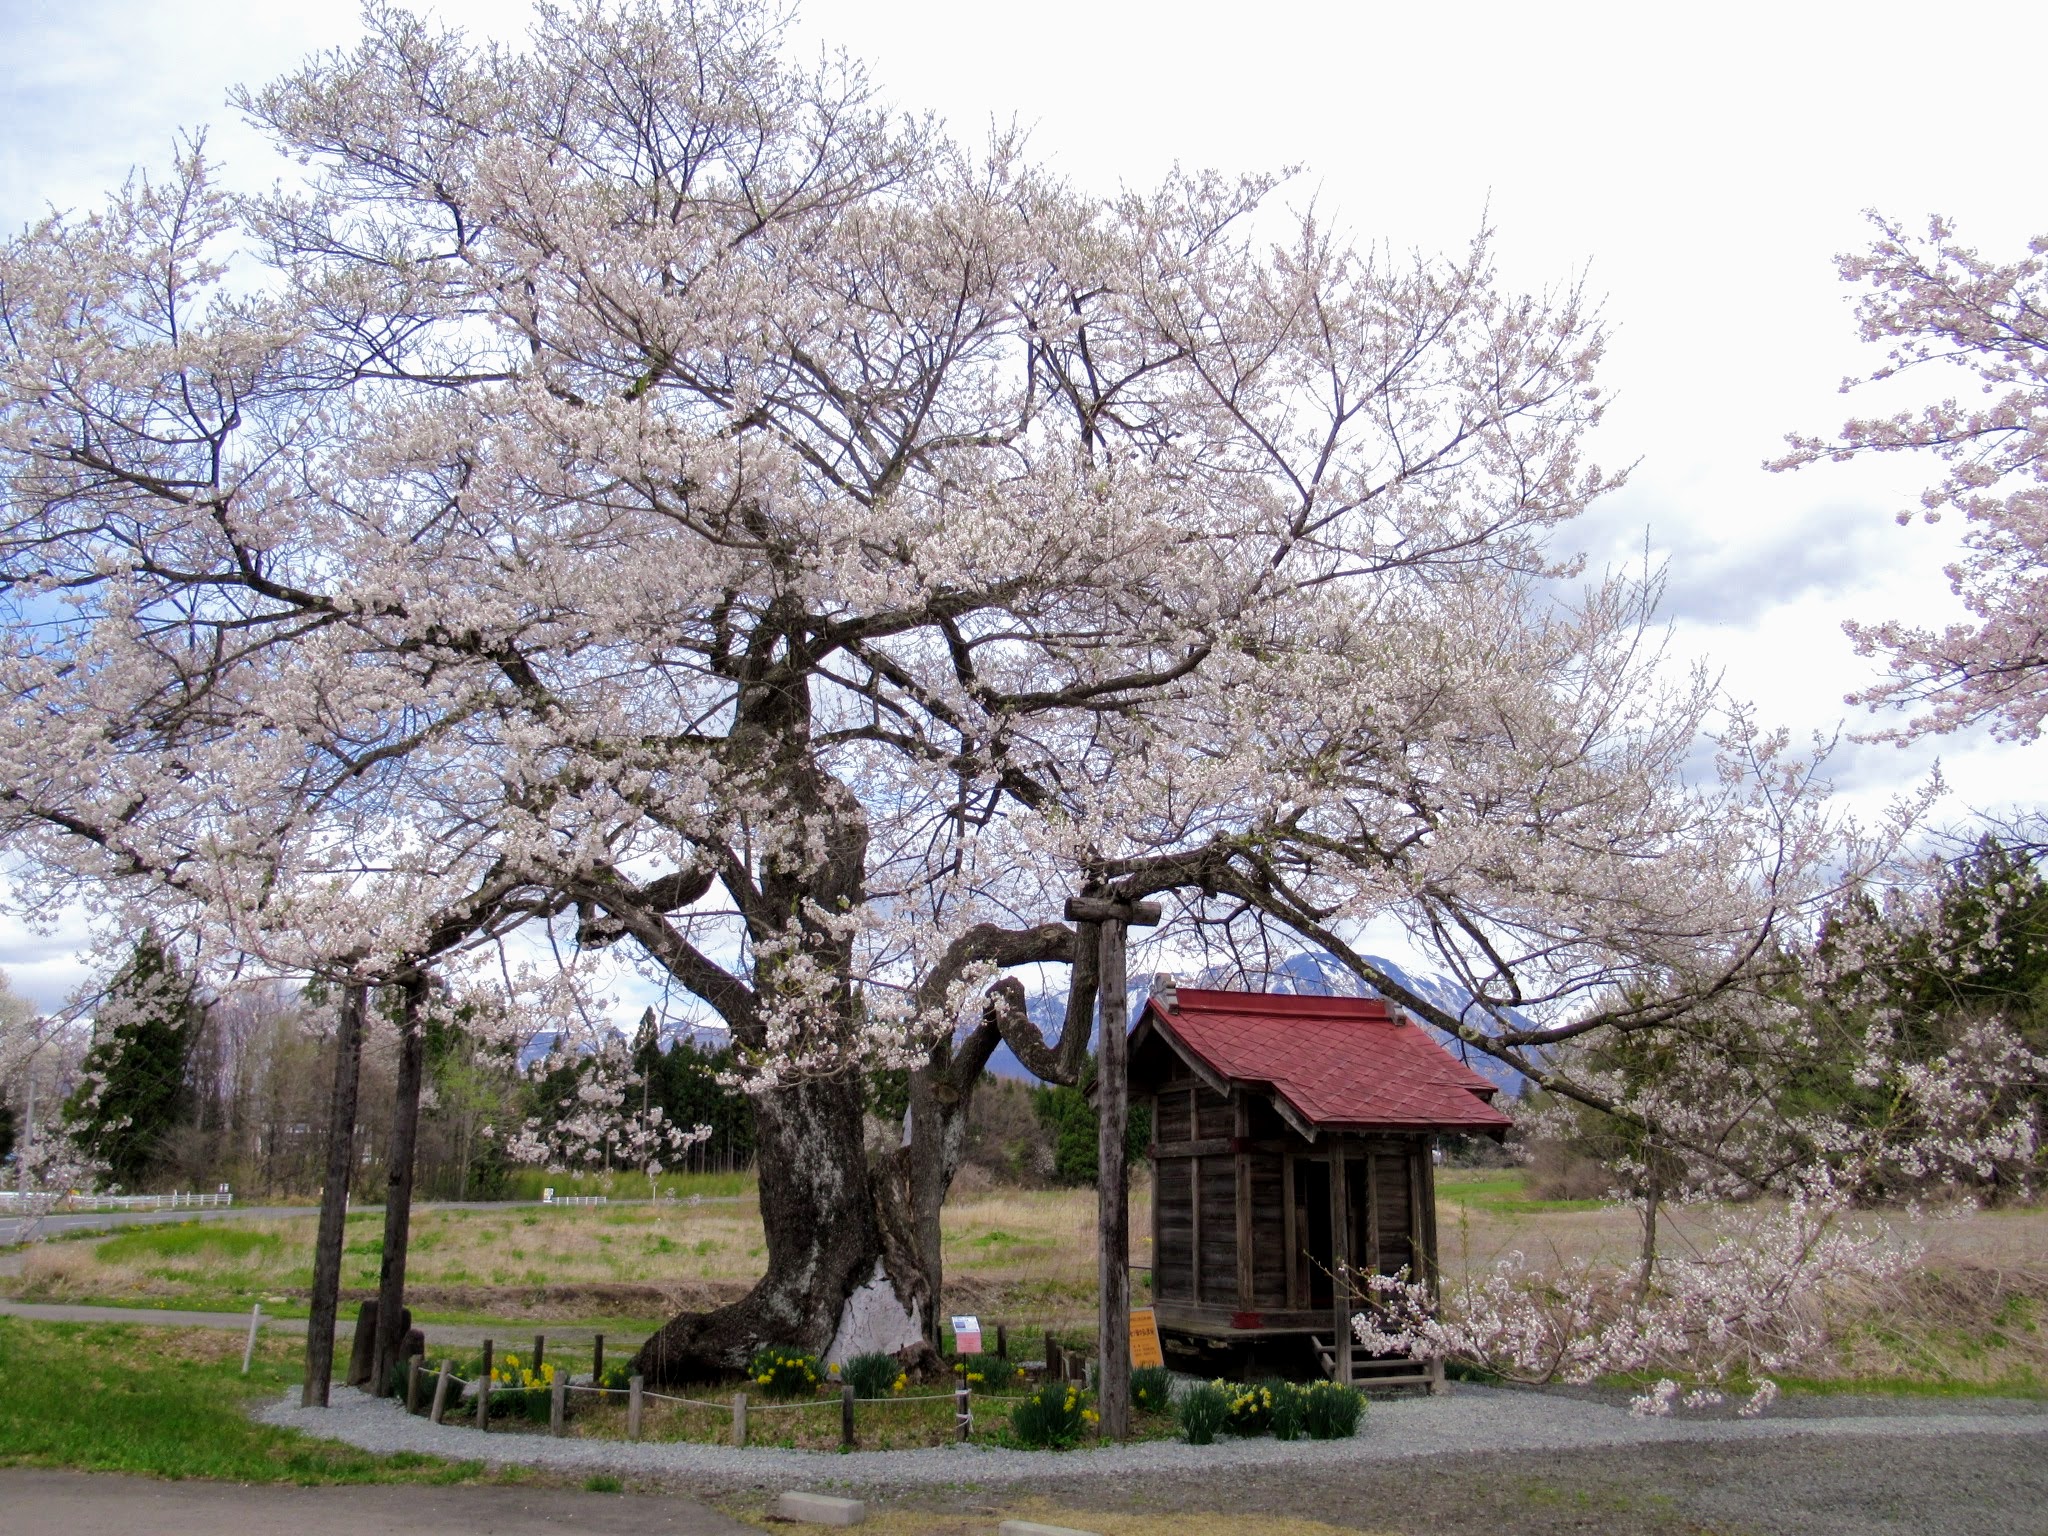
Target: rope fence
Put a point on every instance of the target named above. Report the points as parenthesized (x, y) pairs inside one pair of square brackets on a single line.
[(450, 1389)]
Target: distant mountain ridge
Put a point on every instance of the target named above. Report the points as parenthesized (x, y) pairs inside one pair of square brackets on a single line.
[(1311, 973)]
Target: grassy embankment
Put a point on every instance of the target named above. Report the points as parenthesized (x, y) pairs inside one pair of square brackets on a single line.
[(1971, 1318), (172, 1403), (1023, 1258)]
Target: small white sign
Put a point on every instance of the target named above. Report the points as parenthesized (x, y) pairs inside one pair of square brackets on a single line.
[(967, 1335)]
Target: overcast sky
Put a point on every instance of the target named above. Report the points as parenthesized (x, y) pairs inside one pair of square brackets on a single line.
[(1698, 167)]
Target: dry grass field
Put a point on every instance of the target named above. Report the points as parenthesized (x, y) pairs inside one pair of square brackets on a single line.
[(1971, 1316), (1024, 1257)]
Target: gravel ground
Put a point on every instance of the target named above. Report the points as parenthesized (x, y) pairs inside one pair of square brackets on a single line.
[(1469, 1420)]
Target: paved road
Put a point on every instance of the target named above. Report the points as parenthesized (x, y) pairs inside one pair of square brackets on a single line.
[(106, 1221), (560, 1336), (100, 1504)]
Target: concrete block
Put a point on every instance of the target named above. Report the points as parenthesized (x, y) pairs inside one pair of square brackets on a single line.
[(1033, 1528), (818, 1509)]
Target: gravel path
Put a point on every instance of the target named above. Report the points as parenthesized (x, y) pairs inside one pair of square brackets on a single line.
[(1468, 1420)]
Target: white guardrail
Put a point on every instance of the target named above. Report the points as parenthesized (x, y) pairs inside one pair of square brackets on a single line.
[(81, 1200)]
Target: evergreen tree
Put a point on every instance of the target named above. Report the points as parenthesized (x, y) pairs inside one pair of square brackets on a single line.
[(134, 1090), (1069, 1118)]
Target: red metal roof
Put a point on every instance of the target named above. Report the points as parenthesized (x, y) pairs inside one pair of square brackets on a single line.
[(1343, 1062)]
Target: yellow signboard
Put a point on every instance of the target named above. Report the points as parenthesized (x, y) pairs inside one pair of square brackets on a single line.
[(1145, 1348)]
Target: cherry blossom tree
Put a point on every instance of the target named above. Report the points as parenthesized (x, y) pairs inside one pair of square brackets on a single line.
[(602, 1118), (634, 481), (1936, 305)]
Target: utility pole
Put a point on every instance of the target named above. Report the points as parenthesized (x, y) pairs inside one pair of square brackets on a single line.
[(1112, 1107)]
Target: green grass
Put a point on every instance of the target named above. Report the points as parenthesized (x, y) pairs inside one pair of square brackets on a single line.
[(1504, 1191), (214, 1241), (172, 1403), (2021, 1383)]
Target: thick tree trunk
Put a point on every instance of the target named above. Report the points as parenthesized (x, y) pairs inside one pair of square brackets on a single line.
[(836, 1281), (341, 1156), (405, 1126)]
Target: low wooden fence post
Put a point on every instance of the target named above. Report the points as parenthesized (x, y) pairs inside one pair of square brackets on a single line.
[(483, 1391), (739, 1418), (540, 1350), (1002, 1342), (597, 1360), (558, 1409), (441, 1385), (412, 1385), (633, 1408), (846, 1436), (249, 1348)]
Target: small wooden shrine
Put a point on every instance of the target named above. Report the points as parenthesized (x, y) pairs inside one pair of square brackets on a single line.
[(1293, 1142)]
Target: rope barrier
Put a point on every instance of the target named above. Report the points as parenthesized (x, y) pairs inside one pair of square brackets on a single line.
[(912, 1400)]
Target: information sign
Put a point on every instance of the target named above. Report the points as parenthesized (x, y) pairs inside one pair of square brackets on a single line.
[(1145, 1348)]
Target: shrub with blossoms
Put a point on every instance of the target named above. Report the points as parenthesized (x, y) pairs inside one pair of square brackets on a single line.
[(594, 1116), (786, 1372), (874, 1375), (1053, 1416), (1751, 1302), (516, 1388), (988, 1373)]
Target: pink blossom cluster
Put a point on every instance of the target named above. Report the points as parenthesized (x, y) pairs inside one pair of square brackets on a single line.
[(1751, 1301)]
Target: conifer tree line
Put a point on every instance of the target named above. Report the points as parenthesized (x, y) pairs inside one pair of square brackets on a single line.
[(165, 1085)]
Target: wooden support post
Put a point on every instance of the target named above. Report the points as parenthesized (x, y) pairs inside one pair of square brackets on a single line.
[(394, 1320), (1421, 1200), (1373, 1235), (739, 1418), (633, 1406), (1112, 1092), (1340, 1259), (597, 1360), (1290, 1226), (846, 1436), (1241, 1129), (1112, 1108), (540, 1350), (441, 1385), (558, 1407), (412, 1385), (1002, 1342), (341, 1162), (963, 1416), (249, 1346), (363, 1347), (1055, 1368), (483, 1391)]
